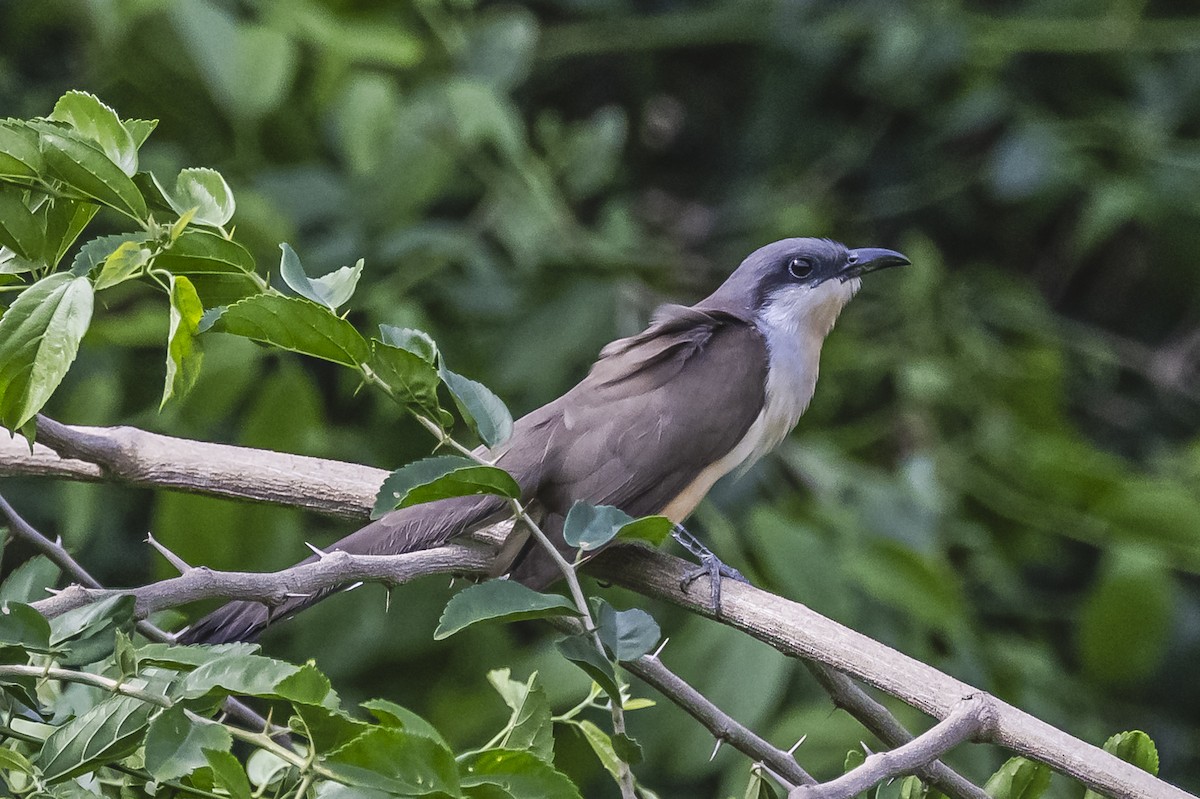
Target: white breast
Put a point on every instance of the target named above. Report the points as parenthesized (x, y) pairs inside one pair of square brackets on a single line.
[(794, 323)]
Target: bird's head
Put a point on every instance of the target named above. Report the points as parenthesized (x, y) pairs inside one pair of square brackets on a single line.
[(800, 284)]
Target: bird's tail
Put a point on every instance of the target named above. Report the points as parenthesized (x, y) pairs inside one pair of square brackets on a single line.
[(407, 530)]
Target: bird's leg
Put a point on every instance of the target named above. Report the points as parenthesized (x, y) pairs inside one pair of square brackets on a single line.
[(710, 566)]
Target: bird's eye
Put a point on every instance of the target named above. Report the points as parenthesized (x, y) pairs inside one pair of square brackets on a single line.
[(800, 268)]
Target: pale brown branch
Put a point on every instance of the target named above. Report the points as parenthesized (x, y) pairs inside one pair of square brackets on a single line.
[(347, 490)]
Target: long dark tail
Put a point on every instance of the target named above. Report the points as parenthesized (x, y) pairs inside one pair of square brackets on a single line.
[(407, 530)]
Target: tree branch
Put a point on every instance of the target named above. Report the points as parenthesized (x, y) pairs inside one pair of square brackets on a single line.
[(967, 720), (347, 490)]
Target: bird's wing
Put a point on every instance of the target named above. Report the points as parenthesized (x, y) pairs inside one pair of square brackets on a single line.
[(655, 411)]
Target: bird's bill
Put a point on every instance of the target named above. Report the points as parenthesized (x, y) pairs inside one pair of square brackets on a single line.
[(871, 259)]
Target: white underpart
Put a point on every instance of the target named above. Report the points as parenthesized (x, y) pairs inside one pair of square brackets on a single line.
[(794, 321)]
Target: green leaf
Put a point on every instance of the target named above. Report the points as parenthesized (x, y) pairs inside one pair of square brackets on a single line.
[(498, 600), (65, 220), (1019, 778), (11, 760), (628, 634), (97, 251), (294, 324), (482, 410), (184, 658), (912, 788), (39, 336), (85, 168), (228, 773), (203, 252), (23, 626), (1133, 746), (759, 787), (413, 380), (178, 743), (21, 230), (203, 193), (254, 675), (441, 477), (88, 633), (415, 341), (519, 774), (590, 527), (29, 581), (106, 733), (390, 714), (125, 262), (530, 727), (183, 351), (139, 129), (654, 530), (19, 153), (396, 761), (602, 745), (582, 652), (99, 124), (325, 727), (628, 749), (331, 290)]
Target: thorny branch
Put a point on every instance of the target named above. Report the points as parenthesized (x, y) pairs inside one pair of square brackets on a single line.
[(140, 458)]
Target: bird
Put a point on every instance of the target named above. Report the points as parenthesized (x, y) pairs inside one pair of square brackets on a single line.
[(661, 416)]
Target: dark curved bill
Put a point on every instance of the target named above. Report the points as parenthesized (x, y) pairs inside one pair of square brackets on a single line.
[(871, 259)]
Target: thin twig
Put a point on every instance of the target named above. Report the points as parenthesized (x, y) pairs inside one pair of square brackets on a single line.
[(968, 719)]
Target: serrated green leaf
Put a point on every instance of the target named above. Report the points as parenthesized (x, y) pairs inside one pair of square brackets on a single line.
[(29, 581), (627, 748), (177, 743), (228, 773), (65, 220), (417, 342), (88, 633), (583, 653), (21, 230), (1132, 746), (19, 153), (139, 129), (759, 787), (441, 477), (628, 634), (411, 379), (482, 410), (23, 626), (123, 263), (11, 760), (85, 168), (498, 600), (99, 124), (255, 675), (39, 336), (294, 324), (530, 727), (1019, 778), (203, 194), (183, 350), (107, 732), (518, 773), (397, 761), (389, 714), (184, 658), (96, 252), (912, 788), (204, 252), (590, 527)]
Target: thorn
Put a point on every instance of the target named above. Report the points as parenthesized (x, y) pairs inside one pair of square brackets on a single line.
[(453, 580), (387, 599), (715, 749), (179, 563), (661, 647), (796, 745), (297, 595), (58, 540), (54, 591), (320, 553), (350, 588), (866, 749)]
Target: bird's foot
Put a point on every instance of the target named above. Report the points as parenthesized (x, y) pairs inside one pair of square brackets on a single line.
[(710, 566)]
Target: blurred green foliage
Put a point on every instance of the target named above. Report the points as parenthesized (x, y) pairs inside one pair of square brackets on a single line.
[(1000, 473)]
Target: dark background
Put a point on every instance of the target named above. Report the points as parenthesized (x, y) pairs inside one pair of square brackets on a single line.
[(1000, 473)]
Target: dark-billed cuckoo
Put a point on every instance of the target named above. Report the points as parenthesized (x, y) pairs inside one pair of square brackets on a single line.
[(658, 420)]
